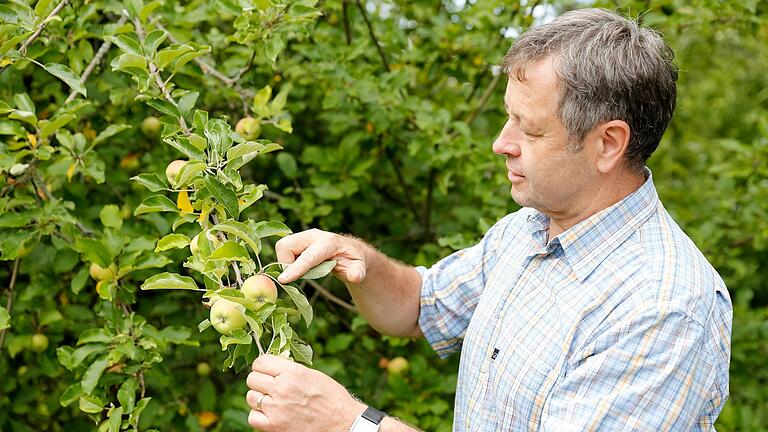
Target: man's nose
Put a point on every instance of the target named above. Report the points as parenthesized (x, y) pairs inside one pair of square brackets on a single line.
[(507, 143)]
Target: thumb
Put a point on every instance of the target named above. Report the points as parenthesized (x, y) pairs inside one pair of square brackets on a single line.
[(356, 272)]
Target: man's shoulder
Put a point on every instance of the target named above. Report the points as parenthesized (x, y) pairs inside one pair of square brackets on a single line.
[(676, 273)]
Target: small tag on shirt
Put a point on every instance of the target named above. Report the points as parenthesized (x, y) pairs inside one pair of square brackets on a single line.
[(495, 353)]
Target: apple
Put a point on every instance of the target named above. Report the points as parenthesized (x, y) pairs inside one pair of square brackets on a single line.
[(173, 169), (150, 126), (100, 273), (260, 288), (203, 369), (195, 248), (39, 342), (397, 366), (248, 128), (227, 316)]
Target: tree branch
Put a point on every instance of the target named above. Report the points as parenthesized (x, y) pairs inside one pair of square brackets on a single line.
[(159, 81), (41, 26), (223, 238), (327, 294), (9, 303), (95, 61), (373, 36), (483, 99), (347, 30), (401, 181)]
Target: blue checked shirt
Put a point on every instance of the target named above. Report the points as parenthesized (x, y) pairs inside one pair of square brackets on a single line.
[(616, 324)]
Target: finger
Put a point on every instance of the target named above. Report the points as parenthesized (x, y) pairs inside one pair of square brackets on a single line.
[(272, 365), (289, 247), (257, 419), (253, 397), (311, 256), (261, 382)]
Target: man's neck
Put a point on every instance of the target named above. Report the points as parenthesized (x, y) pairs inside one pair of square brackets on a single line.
[(605, 195)]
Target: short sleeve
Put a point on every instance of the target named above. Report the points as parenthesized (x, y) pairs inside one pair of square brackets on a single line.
[(451, 289), (650, 371)]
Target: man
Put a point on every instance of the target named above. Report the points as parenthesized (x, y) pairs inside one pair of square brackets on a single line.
[(588, 309)]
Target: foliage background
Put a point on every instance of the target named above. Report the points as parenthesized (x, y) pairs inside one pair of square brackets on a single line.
[(394, 105)]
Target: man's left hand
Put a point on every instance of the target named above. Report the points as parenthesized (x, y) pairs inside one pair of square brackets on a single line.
[(286, 396)]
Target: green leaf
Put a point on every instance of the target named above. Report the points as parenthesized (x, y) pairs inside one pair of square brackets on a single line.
[(230, 251), (241, 231), (156, 203), (71, 394), (187, 102), (223, 195), (164, 107), (204, 324), (152, 181), (238, 336), (68, 76), (25, 116), (300, 300), (24, 102), (93, 374), (188, 172), (126, 395), (128, 43), (5, 108), (110, 131), (320, 270), (301, 352), (271, 228), (153, 41), (172, 241), (91, 404), (49, 127), (5, 318), (261, 98), (186, 147), (111, 216), (115, 419), (94, 251), (94, 335), (287, 164), (129, 62), (169, 281)]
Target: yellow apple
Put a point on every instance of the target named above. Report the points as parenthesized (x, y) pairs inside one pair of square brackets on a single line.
[(260, 288), (227, 316), (248, 128)]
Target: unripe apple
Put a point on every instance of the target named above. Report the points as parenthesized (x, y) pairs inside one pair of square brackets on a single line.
[(260, 288), (203, 369), (39, 342), (173, 169), (397, 366), (194, 247), (100, 273), (150, 126), (227, 316), (248, 128)]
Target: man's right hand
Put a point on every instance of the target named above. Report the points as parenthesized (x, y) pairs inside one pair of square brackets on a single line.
[(309, 248), (385, 291)]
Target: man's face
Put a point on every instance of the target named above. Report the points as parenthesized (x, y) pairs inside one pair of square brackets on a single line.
[(545, 175)]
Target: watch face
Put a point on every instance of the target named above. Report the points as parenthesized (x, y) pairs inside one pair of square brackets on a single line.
[(364, 425), (373, 415)]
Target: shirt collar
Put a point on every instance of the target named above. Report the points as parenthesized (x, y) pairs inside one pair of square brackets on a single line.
[(589, 242)]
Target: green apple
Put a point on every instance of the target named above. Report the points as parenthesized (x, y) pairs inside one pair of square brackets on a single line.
[(227, 316), (248, 128), (260, 288), (100, 273), (39, 342), (397, 366), (150, 126), (203, 369), (173, 169)]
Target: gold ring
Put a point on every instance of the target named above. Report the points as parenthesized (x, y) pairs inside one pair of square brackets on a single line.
[(258, 404)]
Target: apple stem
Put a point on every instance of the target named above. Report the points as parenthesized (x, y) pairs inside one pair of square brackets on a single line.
[(258, 343)]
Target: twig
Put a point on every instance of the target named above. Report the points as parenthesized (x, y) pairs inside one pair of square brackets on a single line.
[(142, 385), (428, 204), (9, 303), (159, 81), (95, 61), (36, 34), (39, 184), (483, 99), (327, 294), (373, 36), (223, 238), (401, 181), (347, 30)]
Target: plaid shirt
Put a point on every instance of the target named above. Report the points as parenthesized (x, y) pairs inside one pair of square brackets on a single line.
[(618, 323)]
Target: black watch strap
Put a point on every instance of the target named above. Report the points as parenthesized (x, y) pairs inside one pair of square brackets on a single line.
[(373, 415)]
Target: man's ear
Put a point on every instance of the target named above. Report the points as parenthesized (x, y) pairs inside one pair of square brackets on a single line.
[(612, 141)]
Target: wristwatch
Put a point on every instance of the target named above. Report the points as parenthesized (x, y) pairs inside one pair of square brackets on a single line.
[(368, 421)]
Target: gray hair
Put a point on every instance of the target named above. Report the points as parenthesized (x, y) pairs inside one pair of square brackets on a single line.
[(609, 68)]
